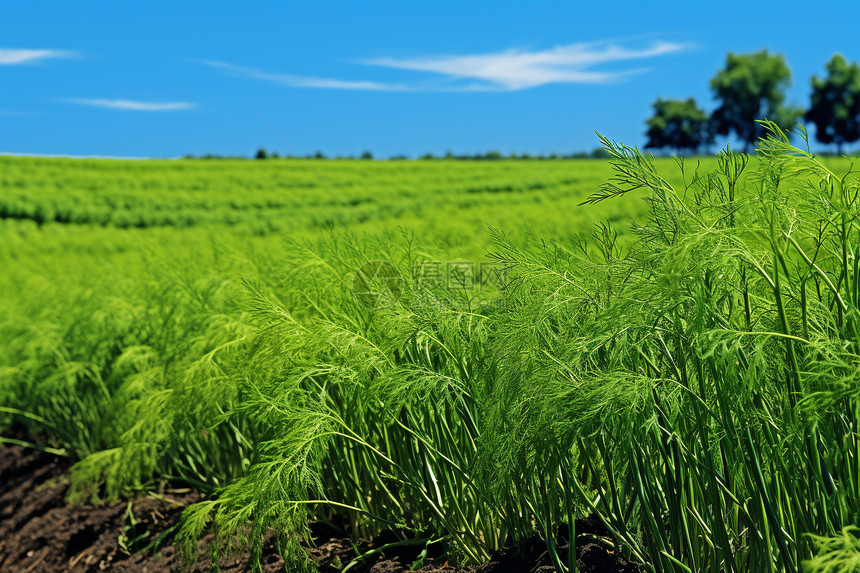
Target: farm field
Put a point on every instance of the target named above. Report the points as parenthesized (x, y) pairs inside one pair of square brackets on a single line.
[(455, 355), (447, 203)]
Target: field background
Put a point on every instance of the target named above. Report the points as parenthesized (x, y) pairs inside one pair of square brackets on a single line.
[(56, 211), (108, 224), (448, 203)]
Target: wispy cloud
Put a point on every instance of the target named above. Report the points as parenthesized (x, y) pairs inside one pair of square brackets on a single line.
[(303, 81), (510, 70), (17, 57), (518, 69), (127, 104)]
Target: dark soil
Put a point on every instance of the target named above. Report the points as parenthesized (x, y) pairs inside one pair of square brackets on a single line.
[(39, 532)]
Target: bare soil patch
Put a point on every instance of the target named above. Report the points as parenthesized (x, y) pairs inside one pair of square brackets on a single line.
[(39, 532)]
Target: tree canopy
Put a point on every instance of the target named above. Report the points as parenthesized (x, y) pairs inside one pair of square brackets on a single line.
[(752, 87), (835, 103), (678, 124)]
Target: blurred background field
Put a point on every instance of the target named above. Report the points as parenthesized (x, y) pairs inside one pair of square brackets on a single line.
[(446, 203), (88, 206)]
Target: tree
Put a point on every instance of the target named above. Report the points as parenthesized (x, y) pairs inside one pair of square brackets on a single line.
[(752, 87), (835, 103), (678, 124), (261, 154)]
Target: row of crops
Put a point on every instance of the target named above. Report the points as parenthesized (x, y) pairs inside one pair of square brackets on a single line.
[(448, 202), (692, 378)]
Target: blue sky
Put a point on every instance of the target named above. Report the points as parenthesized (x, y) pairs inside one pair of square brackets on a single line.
[(173, 78)]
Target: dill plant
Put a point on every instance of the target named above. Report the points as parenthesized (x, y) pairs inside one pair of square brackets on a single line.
[(697, 390), (371, 415), (104, 373)]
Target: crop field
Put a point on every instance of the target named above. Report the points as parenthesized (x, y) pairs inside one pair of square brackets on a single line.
[(449, 203), (464, 355)]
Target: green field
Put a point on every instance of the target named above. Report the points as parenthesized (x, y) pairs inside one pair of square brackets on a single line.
[(692, 382), (450, 203)]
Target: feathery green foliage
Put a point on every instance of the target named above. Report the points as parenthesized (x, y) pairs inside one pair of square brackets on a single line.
[(697, 391), (691, 379)]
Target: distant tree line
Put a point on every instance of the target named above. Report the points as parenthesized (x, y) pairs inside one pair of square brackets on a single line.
[(597, 153), (752, 87)]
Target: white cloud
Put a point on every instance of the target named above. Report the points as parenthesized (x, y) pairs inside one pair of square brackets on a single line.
[(127, 104), (516, 69), (14, 57), (303, 81), (510, 70)]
